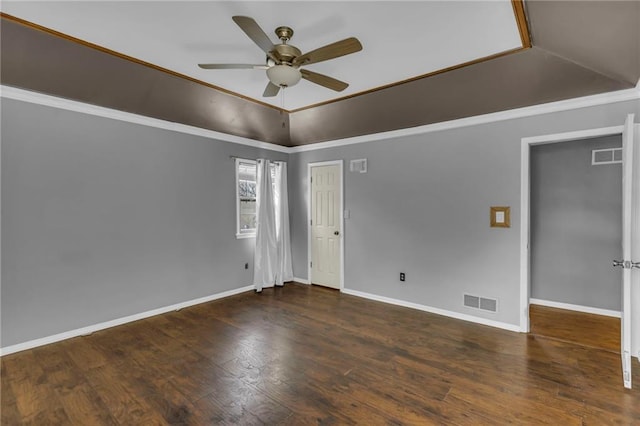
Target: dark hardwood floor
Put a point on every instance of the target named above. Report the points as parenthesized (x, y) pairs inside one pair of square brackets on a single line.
[(303, 355), (596, 331)]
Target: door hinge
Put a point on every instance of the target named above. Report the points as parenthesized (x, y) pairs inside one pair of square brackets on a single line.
[(311, 222), (311, 179), (310, 264)]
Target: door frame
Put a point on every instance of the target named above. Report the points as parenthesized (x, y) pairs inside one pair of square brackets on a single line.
[(525, 209), (338, 163)]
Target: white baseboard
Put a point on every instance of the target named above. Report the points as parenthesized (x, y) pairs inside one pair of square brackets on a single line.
[(578, 308), (438, 311), (301, 280), (119, 321)]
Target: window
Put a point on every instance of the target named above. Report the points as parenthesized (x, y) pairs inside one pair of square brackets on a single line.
[(245, 198), (246, 172)]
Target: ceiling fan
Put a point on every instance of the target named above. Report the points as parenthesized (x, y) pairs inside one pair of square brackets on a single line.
[(284, 60)]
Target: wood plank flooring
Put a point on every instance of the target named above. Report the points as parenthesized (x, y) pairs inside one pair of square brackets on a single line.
[(596, 331), (303, 355)]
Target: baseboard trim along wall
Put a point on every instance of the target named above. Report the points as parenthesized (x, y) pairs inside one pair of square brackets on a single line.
[(443, 312), (301, 280), (577, 308), (84, 331)]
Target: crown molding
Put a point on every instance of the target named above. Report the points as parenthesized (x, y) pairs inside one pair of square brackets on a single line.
[(558, 106), (565, 105), (81, 107)]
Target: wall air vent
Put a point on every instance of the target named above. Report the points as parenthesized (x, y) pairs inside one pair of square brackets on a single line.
[(482, 303), (606, 156), (359, 166), (471, 301)]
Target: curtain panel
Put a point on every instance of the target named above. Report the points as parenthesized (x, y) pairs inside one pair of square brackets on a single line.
[(272, 258)]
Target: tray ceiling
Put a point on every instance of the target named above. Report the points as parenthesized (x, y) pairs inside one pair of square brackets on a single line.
[(402, 40), (140, 57)]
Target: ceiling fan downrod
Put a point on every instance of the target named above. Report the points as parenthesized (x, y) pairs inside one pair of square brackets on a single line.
[(284, 34)]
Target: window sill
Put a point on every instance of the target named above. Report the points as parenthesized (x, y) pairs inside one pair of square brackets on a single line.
[(243, 236)]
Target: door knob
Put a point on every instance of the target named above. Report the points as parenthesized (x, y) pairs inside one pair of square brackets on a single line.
[(626, 264), (336, 233)]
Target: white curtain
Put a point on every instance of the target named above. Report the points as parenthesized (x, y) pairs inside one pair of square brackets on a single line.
[(284, 271), (266, 251), (272, 260)]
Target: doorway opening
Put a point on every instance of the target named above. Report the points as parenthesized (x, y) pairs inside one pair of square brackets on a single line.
[(525, 211), (575, 232), (630, 241)]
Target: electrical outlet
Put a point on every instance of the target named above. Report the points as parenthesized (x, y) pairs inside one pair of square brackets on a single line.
[(402, 277), (246, 265)]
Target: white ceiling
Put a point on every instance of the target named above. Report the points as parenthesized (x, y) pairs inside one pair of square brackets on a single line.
[(400, 40)]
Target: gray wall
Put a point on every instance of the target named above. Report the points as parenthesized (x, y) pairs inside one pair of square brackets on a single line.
[(576, 224), (102, 219), (423, 208)]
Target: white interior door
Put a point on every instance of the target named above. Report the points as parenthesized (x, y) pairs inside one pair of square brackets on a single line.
[(635, 247), (630, 236), (325, 225)]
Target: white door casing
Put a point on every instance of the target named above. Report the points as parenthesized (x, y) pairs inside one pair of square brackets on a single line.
[(628, 253), (325, 183), (635, 247), (525, 192)]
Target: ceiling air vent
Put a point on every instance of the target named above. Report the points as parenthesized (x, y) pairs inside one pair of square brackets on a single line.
[(606, 156), (482, 303)]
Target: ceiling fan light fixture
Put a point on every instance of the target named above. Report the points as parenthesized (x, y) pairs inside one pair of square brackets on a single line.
[(284, 75)]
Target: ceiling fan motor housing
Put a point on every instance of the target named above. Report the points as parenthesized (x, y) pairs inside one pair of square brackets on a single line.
[(285, 53)]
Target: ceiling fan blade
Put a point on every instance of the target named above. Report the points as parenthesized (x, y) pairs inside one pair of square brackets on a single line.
[(255, 33), (324, 80), (330, 51), (271, 90), (232, 67)]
